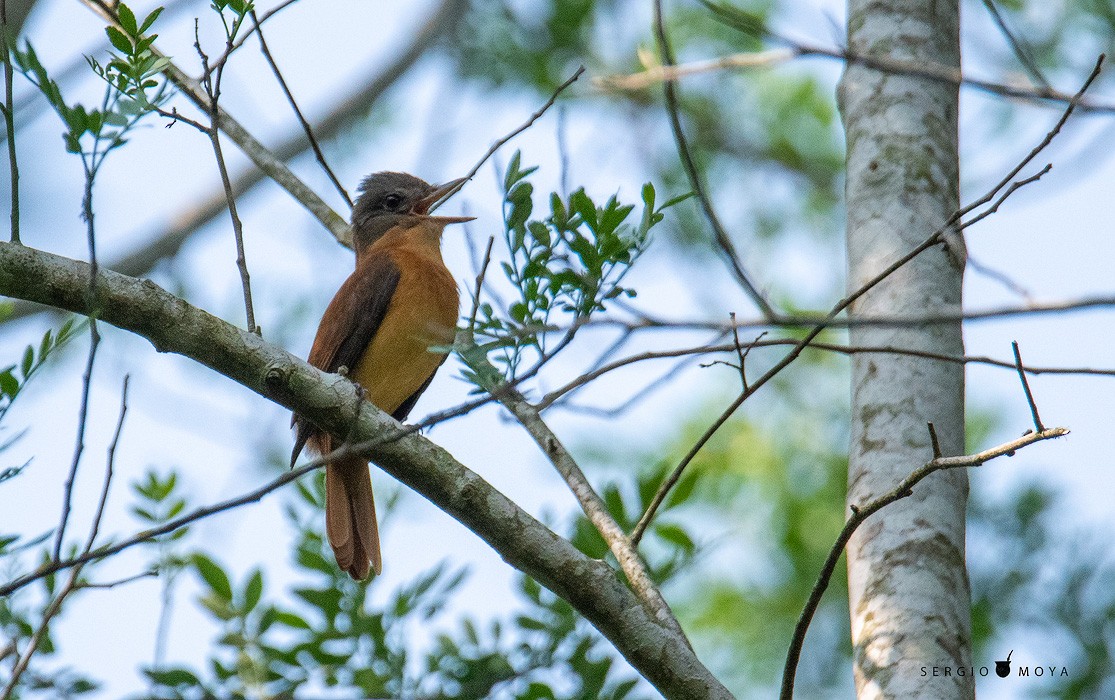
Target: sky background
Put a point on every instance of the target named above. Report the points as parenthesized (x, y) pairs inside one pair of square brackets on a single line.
[(1054, 238)]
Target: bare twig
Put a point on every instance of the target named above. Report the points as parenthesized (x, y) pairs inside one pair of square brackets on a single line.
[(520, 129), (119, 582), (862, 513), (257, 27), (90, 165), (596, 372), (9, 120), (257, 23), (1021, 52), (1000, 277), (954, 223), (108, 466), (211, 82), (723, 240), (480, 284), (150, 534), (73, 583), (1026, 387), (37, 636), (930, 71), (933, 440), (665, 73)]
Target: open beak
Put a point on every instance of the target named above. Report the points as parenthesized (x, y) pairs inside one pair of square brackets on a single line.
[(438, 195)]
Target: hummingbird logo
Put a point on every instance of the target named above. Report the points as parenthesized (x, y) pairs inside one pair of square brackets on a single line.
[(1002, 668)]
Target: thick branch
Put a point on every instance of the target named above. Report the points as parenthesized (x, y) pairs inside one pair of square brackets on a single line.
[(172, 325)]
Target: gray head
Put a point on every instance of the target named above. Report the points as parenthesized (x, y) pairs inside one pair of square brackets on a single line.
[(387, 197)]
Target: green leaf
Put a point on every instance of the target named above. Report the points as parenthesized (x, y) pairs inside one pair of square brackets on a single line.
[(28, 361), (118, 39), (150, 19), (529, 623), (675, 535), (173, 677), (253, 590), (127, 20), (677, 200), (9, 385), (581, 204), (213, 575), (291, 620)]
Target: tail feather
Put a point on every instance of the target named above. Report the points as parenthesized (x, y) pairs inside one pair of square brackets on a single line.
[(350, 517)]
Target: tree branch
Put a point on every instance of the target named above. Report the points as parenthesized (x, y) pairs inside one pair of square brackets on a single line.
[(862, 513), (658, 653)]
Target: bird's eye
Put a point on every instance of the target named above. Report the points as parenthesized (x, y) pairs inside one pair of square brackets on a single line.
[(393, 200)]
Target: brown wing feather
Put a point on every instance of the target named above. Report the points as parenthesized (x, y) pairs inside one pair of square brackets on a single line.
[(348, 325)]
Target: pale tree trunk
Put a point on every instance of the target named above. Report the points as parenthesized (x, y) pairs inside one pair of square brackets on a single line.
[(909, 596)]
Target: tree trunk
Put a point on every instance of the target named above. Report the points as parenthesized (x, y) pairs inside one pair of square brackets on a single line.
[(909, 597)]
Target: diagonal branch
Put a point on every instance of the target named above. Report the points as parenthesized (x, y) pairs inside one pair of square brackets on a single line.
[(594, 507), (171, 325), (862, 513), (723, 240), (995, 196)]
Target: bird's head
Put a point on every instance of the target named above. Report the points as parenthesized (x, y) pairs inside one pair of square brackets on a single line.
[(386, 198)]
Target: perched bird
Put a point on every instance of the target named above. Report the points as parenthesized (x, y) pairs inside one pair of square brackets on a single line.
[(378, 330)]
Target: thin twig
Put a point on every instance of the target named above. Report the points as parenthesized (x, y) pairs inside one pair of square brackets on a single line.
[(212, 85), (73, 583), (165, 528), (1001, 277), (109, 466), (931, 71), (37, 637), (219, 61), (954, 223), (480, 284), (298, 112), (9, 120), (862, 513), (805, 320), (723, 240), (1021, 52), (264, 158), (119, 582), (596, 372), (664, 73), (1026, 387), (521, 128), (933, 440), (90, 164)]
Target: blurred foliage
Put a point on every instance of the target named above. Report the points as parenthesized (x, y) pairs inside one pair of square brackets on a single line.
[(134, 88), (328, 633), (15, 377)]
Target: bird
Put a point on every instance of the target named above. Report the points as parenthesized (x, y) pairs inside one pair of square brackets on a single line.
[(385, 329)]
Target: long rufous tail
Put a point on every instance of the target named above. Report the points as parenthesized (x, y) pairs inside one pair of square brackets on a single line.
[(350, 517)]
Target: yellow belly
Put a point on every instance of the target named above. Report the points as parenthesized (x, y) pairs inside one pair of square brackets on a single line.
[(422, 313)]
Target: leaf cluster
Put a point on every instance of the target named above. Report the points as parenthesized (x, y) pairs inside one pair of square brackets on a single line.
[(132, 88), (326, 632), (569, 263)]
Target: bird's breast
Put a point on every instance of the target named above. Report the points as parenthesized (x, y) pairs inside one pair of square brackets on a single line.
[(422, 313)]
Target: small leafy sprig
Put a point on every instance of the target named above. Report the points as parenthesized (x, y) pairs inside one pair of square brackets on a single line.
[(14, 378), (132, 89), (239, 8), (136, 69), (570, 263)]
